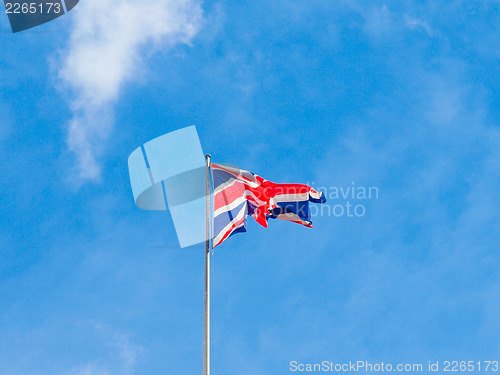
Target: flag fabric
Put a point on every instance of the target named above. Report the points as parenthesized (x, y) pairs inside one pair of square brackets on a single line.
[(238, 193)]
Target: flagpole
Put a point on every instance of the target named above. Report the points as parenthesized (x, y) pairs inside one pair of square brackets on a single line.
[(206, 320)]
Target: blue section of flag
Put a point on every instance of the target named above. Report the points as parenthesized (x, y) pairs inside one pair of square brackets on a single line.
[(224, 219)]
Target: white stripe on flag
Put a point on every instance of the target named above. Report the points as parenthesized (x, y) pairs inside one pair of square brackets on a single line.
[(229, 206), (300, 197)]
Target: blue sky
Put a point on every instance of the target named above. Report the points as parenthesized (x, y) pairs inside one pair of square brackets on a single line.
[(403, 96)]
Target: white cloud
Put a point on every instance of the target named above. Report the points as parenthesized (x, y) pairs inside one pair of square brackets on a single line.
[(105, 50)]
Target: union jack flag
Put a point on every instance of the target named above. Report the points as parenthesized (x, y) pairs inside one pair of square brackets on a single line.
[(239, 193)]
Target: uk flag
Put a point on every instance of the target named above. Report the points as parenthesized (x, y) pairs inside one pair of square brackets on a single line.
[(238, 194)]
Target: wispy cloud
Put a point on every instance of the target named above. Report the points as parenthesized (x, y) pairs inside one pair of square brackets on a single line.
[(106, 49), (120, 354), (415, 24), (89, 369), (382, 21)]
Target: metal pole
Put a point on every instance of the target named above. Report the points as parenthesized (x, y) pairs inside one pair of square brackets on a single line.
[(206, 321)]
